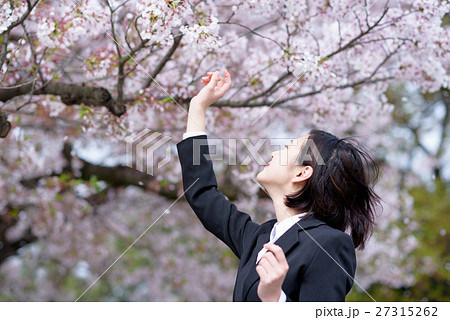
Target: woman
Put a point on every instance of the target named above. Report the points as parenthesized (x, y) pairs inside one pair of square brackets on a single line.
[(319, 185)]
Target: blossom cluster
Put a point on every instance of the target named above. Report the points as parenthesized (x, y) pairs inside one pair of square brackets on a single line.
[(10, 12), (157, 18), (203, 37)]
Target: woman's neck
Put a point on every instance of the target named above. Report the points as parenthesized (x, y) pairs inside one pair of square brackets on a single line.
[(281, 211)]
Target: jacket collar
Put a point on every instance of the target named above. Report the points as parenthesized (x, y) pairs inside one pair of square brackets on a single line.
[(291, 237)]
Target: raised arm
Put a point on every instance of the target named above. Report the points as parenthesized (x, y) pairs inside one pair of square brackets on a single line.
[(217, 214)]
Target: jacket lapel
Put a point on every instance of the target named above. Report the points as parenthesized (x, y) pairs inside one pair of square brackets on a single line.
[(287, 242), (292, 236), (262, 233)]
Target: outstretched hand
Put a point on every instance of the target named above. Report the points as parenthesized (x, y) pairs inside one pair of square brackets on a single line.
[(215, 88)]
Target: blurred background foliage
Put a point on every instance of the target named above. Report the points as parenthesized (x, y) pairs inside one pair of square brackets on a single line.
[(432, 257)]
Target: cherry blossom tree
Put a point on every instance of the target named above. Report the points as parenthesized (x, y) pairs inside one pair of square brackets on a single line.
[(79, 77)]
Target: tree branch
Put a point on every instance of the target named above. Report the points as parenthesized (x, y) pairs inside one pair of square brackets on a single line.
[(70, 94), (163, 62)]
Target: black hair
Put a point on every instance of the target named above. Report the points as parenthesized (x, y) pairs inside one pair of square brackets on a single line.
[(340, 190)]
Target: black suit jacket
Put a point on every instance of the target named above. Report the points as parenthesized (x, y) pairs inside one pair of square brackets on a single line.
[(321, 259)]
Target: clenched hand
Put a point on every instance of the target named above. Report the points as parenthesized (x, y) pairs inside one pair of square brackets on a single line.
[(272, 269)]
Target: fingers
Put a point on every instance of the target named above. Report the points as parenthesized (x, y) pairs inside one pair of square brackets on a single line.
[(226, 74), (269, 273), (214, 79), (270, 258), (205, 80), (262, 272), (220, 81), (227, 84), (277, 252), (216, 84)]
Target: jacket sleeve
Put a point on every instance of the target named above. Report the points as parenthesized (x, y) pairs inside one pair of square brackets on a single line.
[(329, 276), (218, 215)]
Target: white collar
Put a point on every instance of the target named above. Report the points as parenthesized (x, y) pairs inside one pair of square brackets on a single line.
[(281, 227)]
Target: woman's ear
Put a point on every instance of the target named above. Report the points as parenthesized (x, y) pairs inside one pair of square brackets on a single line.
[(304, 174)]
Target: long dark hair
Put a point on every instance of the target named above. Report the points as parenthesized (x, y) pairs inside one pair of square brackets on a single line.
[(340, 190)]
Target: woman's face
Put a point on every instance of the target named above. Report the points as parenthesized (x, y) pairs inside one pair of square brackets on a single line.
[(281, 169)]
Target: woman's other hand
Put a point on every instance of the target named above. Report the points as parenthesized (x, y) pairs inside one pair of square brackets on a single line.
[(272, 269), (215, 88)]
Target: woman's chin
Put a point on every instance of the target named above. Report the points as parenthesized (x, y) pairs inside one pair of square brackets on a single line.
[(260, 177)]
